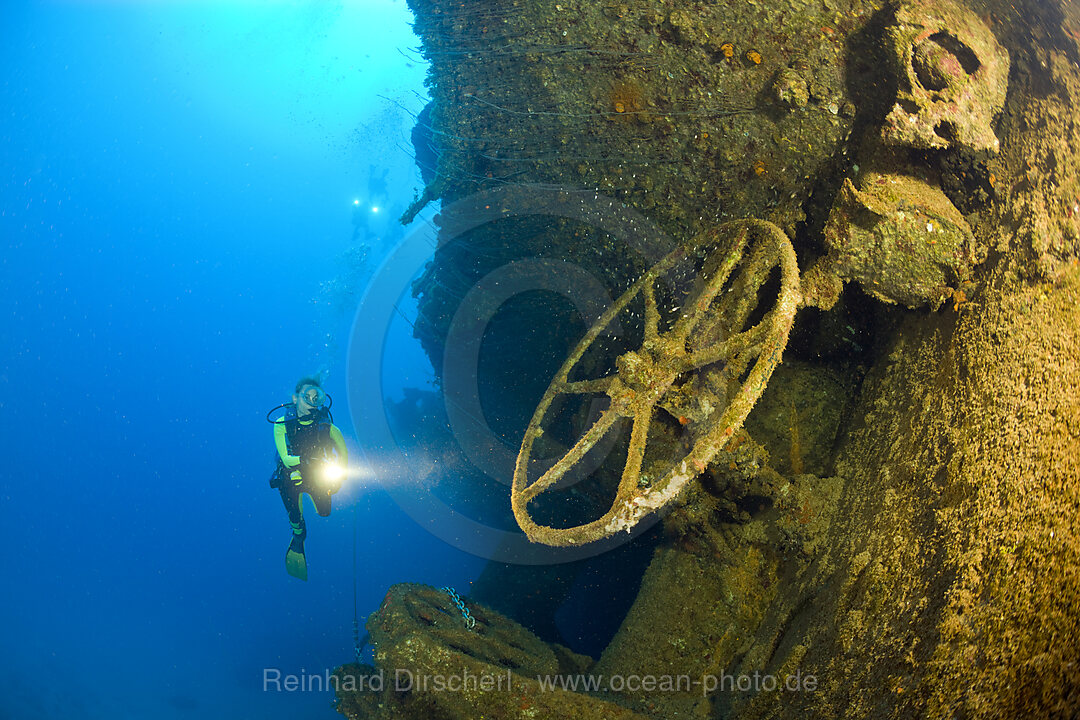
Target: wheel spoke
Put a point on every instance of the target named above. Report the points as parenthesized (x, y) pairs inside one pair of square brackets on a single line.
[(702, 303), (636, 455), (741, 298), (729, 347), (584, 444), (581, 387), (736, 366)]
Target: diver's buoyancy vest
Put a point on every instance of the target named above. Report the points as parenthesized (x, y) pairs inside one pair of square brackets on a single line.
[(308, 440)]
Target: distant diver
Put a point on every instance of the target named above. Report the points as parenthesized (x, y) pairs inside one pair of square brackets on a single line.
[(311, 458)]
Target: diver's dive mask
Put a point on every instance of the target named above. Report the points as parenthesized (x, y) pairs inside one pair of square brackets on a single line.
[(312, 395)]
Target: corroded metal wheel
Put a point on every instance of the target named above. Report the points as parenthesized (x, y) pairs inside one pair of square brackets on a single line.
[(717, 330)]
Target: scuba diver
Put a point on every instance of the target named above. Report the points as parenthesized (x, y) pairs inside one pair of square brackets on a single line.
[(311, 458)]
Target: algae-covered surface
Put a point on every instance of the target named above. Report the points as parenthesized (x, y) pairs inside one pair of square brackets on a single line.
[(894, 531)]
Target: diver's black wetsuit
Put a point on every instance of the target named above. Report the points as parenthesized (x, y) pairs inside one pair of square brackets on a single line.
[(311, 441)]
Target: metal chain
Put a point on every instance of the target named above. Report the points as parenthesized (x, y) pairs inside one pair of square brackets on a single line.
[(470, 621)]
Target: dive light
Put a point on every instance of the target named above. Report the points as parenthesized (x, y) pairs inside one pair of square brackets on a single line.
[(331, 471)]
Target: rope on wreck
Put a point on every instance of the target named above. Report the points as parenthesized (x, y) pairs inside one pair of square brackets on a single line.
[(358, 644)]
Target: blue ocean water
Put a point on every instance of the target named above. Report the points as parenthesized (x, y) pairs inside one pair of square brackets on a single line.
[(187, 191)]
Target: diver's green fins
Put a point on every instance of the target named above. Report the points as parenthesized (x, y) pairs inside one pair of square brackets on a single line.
[(296, 564)]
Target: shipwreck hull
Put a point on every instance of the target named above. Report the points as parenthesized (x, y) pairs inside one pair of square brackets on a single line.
[(926, 562)]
